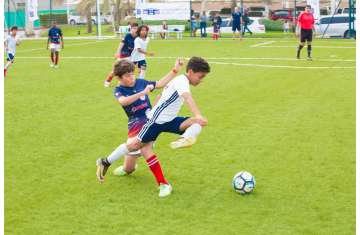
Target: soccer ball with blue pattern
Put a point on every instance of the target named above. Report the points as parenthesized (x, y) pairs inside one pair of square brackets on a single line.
[(243, 182)]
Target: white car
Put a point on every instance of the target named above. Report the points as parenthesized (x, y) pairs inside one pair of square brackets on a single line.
[(334, 26), (226, 26), (77, 19)]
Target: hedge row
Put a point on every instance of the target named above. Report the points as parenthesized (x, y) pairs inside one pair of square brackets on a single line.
[(45, 20)]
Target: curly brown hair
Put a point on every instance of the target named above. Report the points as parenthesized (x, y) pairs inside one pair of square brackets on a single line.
[(122, 67)]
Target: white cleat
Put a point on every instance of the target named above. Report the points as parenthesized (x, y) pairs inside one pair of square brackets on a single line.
[(183, 142), (51, 65), (56, 66), (107, 84), (165, 190)]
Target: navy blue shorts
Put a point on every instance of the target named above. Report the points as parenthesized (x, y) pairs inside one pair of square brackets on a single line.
[(236, 27), (10, 57), (152, 130), (141, 63)]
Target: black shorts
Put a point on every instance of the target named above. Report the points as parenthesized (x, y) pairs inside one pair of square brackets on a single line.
[(306, 35), (236, 27)]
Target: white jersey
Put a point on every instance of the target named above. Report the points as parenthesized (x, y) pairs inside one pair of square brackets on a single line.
[(11, 44), (142, 44), (171, 101)]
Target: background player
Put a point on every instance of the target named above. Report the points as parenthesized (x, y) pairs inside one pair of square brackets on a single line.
[(306, 25), (138, 56), (56, 41), (124, 50), (10, 44), (236, 18)]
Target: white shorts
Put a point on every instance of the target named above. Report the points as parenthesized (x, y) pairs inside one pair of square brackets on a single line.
[(55, 47)]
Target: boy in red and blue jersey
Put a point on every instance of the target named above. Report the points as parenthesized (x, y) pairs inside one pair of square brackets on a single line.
[(124, 50), (132, 94), (56, 41)]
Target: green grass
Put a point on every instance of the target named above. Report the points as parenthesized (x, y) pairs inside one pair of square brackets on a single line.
[(293, 128)]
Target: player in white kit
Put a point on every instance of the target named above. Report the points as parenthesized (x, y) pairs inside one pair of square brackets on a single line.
[(10, 44)]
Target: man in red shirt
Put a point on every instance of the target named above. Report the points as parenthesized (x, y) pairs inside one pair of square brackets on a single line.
[(306, 25)]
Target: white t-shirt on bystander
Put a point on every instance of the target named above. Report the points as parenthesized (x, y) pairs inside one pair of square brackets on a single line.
[(142, 44), (11, 44)]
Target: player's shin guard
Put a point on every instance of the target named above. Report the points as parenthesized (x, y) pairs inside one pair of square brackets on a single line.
[(117, 153), (298, 51), (309, 50), (56, 58), (52, 57), (155, 168), (192, 131)]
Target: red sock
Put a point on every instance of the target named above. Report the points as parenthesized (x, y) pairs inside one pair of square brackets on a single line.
[(52, 57), (109, 77), (155, 167), (56, 58)]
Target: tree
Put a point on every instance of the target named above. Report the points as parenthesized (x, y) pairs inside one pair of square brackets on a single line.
[(233, 5), (203, 6), (84, 8)]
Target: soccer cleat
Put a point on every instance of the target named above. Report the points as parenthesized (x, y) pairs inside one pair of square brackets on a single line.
[(309, 58), (107, 83), (56, 66), (101, 168), (183, 142), (52, 65), (165, 190), (121, 172)]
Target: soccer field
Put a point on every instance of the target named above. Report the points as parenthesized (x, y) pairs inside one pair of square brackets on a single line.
[(290, 123)]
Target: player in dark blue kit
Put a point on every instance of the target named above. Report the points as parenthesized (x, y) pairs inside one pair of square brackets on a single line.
[(132, 94), (56, 41), (236, 22), (124, 50)]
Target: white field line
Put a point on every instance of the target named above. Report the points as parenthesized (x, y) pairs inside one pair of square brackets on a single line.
[(332, 47), (258, 58), (281, 66), (211, 62), (324, 41), (263, 43), (208, 58), (190, 40), (65, 45)]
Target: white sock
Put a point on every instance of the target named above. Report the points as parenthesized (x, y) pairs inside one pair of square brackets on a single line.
[(142, 74), (192, 131), (7, 65), (117, 153)]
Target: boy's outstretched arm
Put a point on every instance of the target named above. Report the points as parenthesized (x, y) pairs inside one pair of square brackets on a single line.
[(167, 78), (194, 108), (127, 100)]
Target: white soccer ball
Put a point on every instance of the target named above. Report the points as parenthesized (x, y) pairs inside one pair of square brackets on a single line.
[(243, 182)]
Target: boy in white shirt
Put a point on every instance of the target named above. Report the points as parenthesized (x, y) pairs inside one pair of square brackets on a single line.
[(163, 118), (139, 53), (10, 44)]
